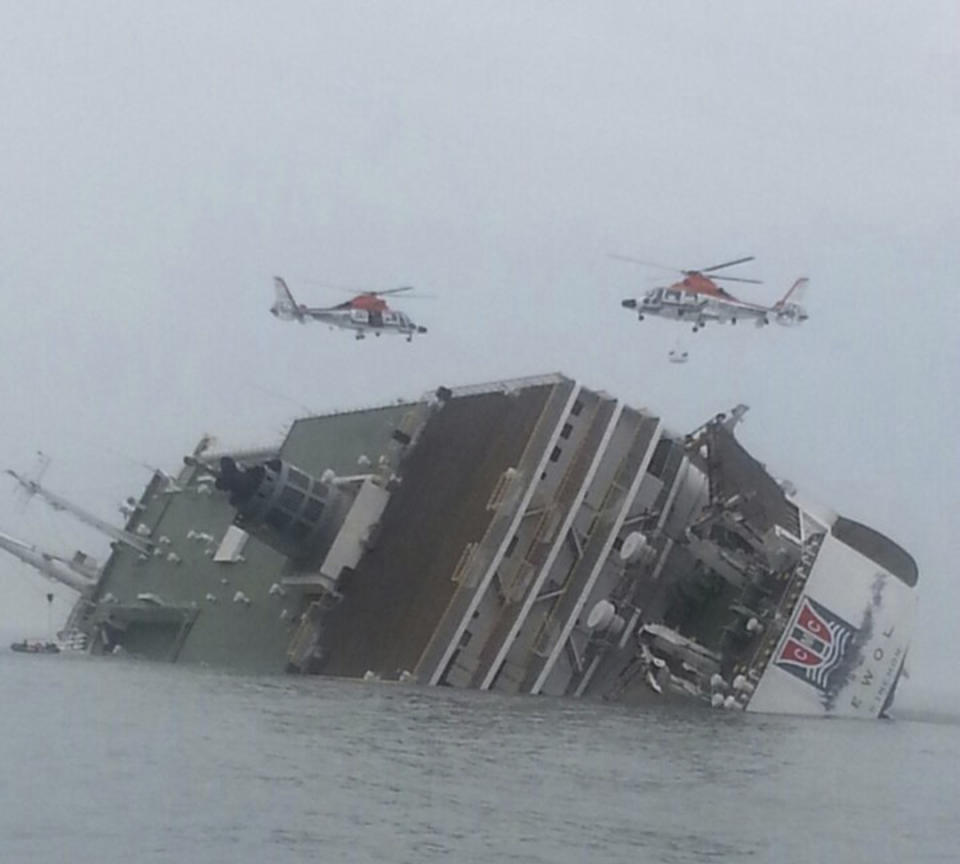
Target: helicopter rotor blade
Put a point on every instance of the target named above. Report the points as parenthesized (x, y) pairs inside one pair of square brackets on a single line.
[(399, 290), (617, 256), (736, 279), (359, 290), (705, 270), (727, 264)]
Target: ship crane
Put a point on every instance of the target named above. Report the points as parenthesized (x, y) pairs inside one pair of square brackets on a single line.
[(144, 547), (77, 574)]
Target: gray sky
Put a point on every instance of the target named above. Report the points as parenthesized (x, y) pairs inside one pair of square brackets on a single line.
[(159, 163)]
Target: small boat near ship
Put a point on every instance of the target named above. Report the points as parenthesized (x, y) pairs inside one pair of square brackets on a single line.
[(35, 646)]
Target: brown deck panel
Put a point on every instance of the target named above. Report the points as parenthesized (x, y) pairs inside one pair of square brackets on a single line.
[(498, 531), (401, 588), (646, 427), (573, 480)]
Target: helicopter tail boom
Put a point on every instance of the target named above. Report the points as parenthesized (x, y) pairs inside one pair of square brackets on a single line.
[(789, 309), (284, 307)]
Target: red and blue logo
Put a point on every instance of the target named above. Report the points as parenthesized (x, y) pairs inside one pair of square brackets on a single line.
[(816, 646)]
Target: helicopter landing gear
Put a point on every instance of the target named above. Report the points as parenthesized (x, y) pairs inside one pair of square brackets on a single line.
[(733, 322), (359, 336), (410, 338), (639, 317)]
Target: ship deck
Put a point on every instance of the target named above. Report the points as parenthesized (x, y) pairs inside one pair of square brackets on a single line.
[(400, 590)]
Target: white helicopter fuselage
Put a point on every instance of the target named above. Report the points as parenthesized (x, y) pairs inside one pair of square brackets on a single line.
[(698, 299), (686, 306), (699, 309), (366, 320), (360, 320)]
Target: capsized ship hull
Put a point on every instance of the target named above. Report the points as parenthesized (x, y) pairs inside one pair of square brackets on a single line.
[(529, 536)]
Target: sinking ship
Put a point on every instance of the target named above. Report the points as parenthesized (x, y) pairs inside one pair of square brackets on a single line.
[(528, 536)]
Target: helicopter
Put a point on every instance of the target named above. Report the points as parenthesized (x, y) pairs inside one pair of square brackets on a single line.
[(698, 298), (365, 313)]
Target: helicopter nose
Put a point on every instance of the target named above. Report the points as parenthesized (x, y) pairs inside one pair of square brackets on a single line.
[(629, 303), (421, 329), (274, 312)]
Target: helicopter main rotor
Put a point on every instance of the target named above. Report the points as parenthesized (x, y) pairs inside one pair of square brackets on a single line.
[(700, 272)]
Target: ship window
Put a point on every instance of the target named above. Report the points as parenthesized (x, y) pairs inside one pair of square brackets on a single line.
[(879, 549), (313, 509), (278, 519), (567, 429), (298, 479), (511, 546), (555, 455), (290, 498), (299, 531), (577, 408)]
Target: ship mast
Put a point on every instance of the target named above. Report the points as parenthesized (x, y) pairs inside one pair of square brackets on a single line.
[(73, 574), (58, 503)]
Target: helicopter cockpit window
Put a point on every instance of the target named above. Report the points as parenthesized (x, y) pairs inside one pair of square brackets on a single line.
[(389, 317), (359, 315), (402, 319), (655, 295), (673, 296)]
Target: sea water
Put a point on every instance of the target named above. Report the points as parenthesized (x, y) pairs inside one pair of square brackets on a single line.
[(113, 760)]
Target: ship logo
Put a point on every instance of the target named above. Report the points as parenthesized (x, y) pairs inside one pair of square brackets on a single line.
[(816, 645)]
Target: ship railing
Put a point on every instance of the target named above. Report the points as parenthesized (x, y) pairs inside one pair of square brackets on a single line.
[(506, 385), (774, 622), (248, 455)]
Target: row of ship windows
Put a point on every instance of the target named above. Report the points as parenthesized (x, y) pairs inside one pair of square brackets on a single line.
[(565, 433), (291, 499), (280, 520), (297, 478)]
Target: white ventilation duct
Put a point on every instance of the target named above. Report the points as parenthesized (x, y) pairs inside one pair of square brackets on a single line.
[(603, 618), (636, 550)]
